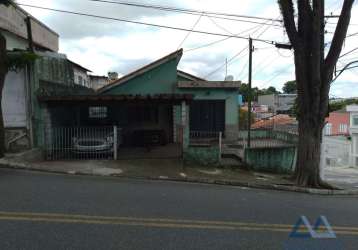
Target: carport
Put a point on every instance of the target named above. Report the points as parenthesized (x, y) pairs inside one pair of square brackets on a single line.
[(115, 126)]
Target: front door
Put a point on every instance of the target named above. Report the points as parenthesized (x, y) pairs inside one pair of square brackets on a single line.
[(207, 116)]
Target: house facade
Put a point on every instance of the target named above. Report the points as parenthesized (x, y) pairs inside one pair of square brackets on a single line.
[(278, 103), (337, 123), (157, 101), (340, 139), (97, 82), (81, 76), (353, 111)]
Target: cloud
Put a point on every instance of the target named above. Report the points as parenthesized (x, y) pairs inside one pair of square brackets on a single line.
[(105, 45)]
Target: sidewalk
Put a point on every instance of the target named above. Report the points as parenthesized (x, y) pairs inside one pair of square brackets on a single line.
[(169, 169)]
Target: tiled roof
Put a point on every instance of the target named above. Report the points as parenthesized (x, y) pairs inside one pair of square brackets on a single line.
[(210, 84), (274, 120)]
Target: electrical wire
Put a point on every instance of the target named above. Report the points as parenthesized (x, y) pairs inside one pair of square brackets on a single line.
[(176, 9), (235, 56), (188, 34), (144, 23), (222, 40)]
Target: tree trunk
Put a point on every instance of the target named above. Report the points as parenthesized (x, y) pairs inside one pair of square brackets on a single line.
[(3, 72), (309, 152)]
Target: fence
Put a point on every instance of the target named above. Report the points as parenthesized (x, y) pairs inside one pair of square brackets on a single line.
[(266, 138), (65, 143), (205, 146)]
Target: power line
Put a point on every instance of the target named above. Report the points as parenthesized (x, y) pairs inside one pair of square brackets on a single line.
[(177, 9), (347, 53), (220, 27), (235, 56), (222, 40), (226, 63), (188, 34), (145, 23)]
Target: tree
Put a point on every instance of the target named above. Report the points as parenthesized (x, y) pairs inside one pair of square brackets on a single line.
[(290, 87), (271, 90), (243, 119), (314, 73)]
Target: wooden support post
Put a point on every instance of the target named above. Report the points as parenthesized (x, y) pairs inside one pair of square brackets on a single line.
[(115, 143)]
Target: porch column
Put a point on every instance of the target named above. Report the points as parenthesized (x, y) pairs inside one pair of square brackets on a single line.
[(185, 124)]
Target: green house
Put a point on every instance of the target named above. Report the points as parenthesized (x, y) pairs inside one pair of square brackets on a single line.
[(157, 99)]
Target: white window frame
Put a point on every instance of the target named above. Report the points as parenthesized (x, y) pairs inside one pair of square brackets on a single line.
[(353, 118), (343, 128), (328, 129)]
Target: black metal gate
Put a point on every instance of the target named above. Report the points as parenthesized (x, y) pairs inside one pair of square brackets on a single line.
[(207, 116)]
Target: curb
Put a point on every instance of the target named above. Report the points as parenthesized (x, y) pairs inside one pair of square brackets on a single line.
[(278, 187)]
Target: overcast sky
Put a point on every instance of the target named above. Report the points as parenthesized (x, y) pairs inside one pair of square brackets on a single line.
[(103, 45)]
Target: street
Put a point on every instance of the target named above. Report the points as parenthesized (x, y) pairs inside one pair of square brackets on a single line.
[(50, 211)]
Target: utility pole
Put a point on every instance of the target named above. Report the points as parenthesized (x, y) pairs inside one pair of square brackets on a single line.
[(250, 95)]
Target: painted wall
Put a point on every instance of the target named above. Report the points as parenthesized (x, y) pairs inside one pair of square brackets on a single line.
[(277, 160), (337, 121), (336, 151), (160, 80), (163, 80), (81, 77), (14, 100), (202, 155), (14, 42), (13, 20)]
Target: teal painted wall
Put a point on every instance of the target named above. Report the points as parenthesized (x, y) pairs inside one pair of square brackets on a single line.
[(277, 160), (49, 75), (164, 79), (202, 155), (160, 80)]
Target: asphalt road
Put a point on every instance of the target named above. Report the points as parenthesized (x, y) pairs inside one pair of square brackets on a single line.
[(47, 211)]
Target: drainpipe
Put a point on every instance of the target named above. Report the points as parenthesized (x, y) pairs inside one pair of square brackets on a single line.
[(29, 105), (29, 33)]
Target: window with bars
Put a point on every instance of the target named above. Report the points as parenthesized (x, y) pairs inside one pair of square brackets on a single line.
[(343, 128), (100, 112), (355, 120)]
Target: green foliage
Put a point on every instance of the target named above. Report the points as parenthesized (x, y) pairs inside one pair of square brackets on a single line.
[(244, 118), (342, 104), (290, 87), (244, 91), (19, 59), (294, 110)]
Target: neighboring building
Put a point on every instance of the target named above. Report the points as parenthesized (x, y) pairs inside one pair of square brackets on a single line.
[(337, 123), (97, 82), (52, 72), (81, 76), (16, 100), (278, 103), (335, 151), (340, 140), (284, 123), (353, 110)]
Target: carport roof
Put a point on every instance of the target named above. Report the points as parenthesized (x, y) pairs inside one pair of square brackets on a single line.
[(87, 98)]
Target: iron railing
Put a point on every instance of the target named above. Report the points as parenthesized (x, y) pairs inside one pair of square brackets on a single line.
[(65, 143)]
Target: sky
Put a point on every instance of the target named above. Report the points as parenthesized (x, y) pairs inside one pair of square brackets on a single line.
[(108, 45)]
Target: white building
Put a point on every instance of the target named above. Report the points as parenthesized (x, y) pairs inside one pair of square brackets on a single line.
[(353, 110), (97, 82), (16, 107), (278, 103), (81, 76)]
